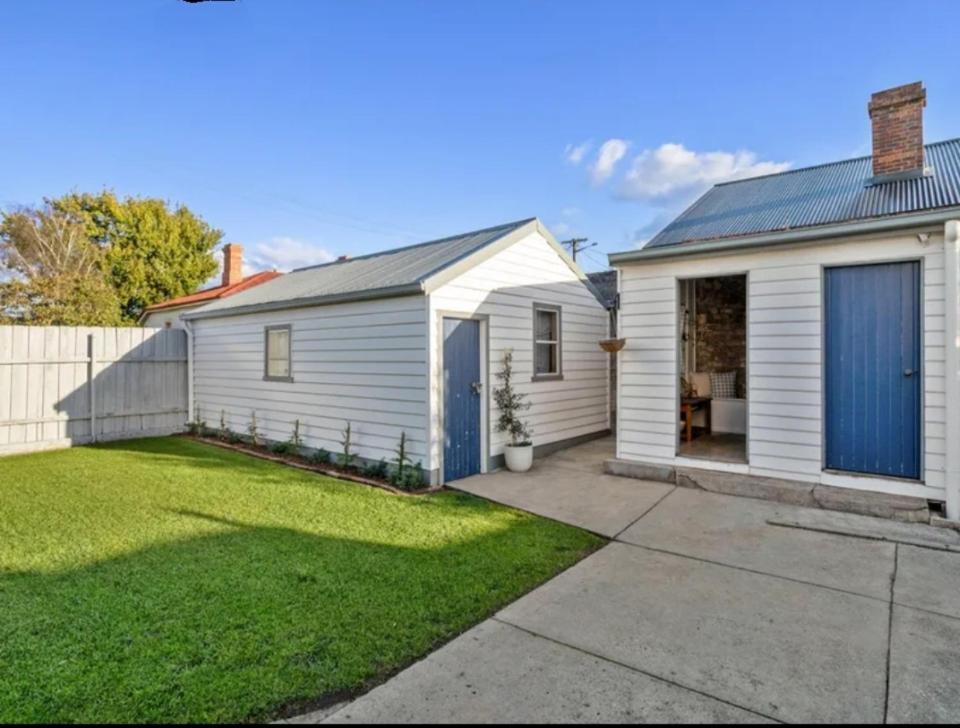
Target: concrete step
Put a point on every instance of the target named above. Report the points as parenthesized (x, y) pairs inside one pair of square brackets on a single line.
[(850, 524), (908, 509)]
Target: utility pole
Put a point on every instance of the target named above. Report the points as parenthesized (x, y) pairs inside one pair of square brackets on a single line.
[(576, 245)]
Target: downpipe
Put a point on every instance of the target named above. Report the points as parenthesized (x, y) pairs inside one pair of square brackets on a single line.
[(952, 357)]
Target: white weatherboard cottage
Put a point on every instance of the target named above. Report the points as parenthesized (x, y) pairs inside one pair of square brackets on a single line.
[(409, 340), (823, 304)]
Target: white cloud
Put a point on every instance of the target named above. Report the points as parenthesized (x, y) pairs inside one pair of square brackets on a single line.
[(574, 153), (611, 152), (570, 211), (560, 228), (283, 254), (672, 169)]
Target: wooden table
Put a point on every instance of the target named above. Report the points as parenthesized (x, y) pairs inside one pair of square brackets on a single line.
[(689, 405)]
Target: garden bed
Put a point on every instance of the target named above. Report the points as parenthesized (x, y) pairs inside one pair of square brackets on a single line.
[(305, 463)]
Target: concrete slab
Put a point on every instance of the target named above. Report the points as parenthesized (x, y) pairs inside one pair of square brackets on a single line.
[(496, 673), (924, 668), (790, 651), (881, 529), (588, 457), (735, 531), (929, 580), (313, 717), (600, 503)]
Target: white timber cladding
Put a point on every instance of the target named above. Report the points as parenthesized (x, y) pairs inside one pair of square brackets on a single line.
[(785, 356), (503, 289), (364, 362), (169, 318)]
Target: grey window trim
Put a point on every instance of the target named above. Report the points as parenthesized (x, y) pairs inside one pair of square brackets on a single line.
[(558, 310), (266, 353)]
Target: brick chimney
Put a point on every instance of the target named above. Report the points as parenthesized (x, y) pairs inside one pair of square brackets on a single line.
[(232, 264), (897, 118)]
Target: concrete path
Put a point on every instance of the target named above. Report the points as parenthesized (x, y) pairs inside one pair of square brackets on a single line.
[(700, 610)]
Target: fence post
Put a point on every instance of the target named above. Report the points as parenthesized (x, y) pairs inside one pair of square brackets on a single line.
[(91, 385)]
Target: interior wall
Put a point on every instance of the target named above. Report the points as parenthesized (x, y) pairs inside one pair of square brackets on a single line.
[(721, 326)]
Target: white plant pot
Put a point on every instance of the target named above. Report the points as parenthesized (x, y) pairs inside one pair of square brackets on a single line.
[(519, 457)]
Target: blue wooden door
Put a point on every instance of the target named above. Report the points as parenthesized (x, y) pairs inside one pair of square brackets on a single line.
[(872, 369), (461, 398)]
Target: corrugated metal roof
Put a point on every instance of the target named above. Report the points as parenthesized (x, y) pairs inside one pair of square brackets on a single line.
[(827, 194), (400, 270), (605, 282)]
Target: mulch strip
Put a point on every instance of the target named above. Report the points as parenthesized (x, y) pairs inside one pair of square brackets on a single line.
[(295, 461)]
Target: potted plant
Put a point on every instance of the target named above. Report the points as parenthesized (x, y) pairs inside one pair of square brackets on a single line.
[(519, 451)]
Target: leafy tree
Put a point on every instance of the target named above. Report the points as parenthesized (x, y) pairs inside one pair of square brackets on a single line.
[(50, 272), (151, 252)]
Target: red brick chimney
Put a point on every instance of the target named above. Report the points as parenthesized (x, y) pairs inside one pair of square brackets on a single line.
[(232, 264), (897, 118)]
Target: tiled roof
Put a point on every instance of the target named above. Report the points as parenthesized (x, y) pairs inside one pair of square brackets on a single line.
[(211, 294)]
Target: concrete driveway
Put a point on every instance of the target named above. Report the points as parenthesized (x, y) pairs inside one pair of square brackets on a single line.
[(700, 609)]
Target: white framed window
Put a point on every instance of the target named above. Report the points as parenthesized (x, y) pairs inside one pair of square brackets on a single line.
[(547, 349), (277, 350)]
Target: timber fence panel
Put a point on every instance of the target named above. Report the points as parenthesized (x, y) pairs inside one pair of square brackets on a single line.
[(66, 385)]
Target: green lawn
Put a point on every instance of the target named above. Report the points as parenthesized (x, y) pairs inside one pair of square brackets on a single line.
[(166, 580)]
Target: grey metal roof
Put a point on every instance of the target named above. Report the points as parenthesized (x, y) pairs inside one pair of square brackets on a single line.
[(392, 272), (605, 282), (827, 194)]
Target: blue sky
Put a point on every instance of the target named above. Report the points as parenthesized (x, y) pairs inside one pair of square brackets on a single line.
[(312, 129)]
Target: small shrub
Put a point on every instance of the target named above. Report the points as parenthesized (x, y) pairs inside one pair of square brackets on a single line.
[(412, 478), (196, 426), (511, 403), (402, 460), (252, 429), (283, 448), (291, 446), (347, 457), (222, 434), (320, 457), (377, 470), (233, 438), (295, 438)]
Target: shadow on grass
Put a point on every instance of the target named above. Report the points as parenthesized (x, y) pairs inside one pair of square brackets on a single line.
[(235, 625)]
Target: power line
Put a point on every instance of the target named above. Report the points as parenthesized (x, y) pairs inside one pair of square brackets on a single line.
[(576, 245), (596, 259)]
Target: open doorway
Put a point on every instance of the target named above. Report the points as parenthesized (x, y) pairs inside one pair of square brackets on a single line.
[(712, 422)]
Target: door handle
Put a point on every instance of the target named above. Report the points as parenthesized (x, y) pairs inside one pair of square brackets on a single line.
[(476, 387), (908, 372)]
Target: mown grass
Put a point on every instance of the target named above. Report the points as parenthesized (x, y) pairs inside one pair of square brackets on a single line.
[(166, 580)]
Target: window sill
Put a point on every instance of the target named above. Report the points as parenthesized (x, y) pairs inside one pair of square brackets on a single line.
[(546, 378), (277, 379)]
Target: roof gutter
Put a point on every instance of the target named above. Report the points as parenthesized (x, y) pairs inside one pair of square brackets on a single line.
[(407, 289), (784, 237)]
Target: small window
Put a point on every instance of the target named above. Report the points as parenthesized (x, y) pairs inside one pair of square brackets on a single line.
[(546, 342), (277, 359)]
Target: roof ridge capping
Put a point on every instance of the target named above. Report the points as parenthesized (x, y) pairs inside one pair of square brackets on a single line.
[(389, 251)]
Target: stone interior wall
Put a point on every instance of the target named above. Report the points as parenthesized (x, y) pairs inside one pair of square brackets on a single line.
[(721, 326)]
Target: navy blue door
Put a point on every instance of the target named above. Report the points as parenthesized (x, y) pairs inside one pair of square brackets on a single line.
[(872, 369), (461, 398)]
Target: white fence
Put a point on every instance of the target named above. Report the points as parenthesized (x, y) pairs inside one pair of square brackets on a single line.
[(63, 385)]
